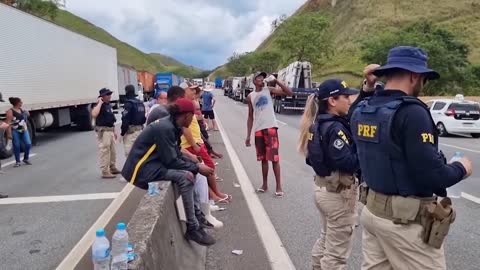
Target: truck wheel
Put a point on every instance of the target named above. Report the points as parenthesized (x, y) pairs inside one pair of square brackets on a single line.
[(5, 145), (476, 135), (84, 118)]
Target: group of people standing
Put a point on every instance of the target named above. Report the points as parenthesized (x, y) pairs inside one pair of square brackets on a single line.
[(386, 142)]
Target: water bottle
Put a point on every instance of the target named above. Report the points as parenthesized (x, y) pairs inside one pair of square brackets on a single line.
[(101, 251), (454, 192), (456, 157), (120, 248)]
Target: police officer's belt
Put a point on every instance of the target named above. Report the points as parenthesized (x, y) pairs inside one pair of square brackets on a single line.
[(132, 129), (102, 129), (401, 210), (336, 182)]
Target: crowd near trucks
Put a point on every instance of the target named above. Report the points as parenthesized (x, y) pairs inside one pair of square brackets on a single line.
[(65, 72), (297, 76)]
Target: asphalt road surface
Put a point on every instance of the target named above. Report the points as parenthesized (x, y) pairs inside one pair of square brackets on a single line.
[(41, 221), (295, 216)]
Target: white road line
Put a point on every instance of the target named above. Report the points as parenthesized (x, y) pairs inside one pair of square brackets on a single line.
[(461, 148), (283, 123), (470, 197), (62, 198), (13, 161), (276, 252), (82, 247)]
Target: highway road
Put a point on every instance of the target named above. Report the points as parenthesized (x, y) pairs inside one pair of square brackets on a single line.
[(41, 221), (295, 217)]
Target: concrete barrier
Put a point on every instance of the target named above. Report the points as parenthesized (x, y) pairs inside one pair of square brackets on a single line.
[(158, 235)]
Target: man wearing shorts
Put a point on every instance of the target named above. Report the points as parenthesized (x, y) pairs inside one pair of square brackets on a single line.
[(207, 108), (261, 118)]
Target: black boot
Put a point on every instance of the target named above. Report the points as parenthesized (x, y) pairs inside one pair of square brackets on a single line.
[(199, 236)]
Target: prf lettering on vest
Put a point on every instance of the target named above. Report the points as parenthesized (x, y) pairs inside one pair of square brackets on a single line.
[(367, 130), (343, 136), (428, 138), (310, 136)]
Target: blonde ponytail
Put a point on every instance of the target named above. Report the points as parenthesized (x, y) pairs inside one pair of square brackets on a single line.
[(308, 118)]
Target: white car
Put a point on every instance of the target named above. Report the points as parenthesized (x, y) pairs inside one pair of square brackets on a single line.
[(455, 116)]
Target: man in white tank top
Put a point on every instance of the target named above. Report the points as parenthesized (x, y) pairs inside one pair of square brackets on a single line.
[(261, 117)]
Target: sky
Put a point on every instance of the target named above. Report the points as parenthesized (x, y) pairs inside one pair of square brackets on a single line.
[(202, 33)]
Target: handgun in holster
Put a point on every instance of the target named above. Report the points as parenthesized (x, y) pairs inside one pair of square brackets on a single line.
[(436, 221)]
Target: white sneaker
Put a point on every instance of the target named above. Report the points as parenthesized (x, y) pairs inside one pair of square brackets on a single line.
[(205, 208)]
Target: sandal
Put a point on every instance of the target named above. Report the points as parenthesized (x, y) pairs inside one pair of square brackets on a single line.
[(223, 200), (260, 190), (218, 179), (279, 194)]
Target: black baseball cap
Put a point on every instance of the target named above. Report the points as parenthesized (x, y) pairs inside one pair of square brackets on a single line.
[(1, 97), (260, 73), (335, 87)]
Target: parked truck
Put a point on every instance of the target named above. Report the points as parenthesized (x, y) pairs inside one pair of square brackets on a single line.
[(56, 72), (127, 75), (297, 76), (218, 82), (145, 82), (166, 80)]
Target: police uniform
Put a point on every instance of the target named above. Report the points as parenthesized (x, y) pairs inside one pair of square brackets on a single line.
[(332, 155), (105, 129), (397, 144), (133, 118)]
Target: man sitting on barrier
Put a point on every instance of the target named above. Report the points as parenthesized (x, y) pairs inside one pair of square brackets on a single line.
[(155, 156)]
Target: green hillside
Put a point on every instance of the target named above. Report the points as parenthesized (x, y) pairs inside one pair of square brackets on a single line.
[(353, 20), (126, 54)]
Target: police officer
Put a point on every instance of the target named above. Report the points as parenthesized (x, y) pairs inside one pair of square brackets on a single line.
[(397, 144), (327, 142), (106, 135), (133, 118)]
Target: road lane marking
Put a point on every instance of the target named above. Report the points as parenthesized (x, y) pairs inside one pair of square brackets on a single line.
[(283, 123), (60, 198), (83, 246), (13, 161), (462, 148), (276, 252), (470, 197)]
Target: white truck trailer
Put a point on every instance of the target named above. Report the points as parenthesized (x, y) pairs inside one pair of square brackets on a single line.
[(56, 72), (127, 75)]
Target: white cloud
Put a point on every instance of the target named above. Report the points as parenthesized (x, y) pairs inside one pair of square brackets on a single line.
[(203, 33)]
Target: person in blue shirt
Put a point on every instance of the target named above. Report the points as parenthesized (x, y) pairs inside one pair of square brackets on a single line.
[(403, 222), (328, 146), (208, 102)]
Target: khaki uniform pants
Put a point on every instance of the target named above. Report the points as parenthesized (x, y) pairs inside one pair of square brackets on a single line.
[(106, 150), (129, 139), (393, 246), (338, 215)]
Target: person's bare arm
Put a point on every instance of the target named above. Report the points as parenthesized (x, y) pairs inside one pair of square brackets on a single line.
[(96, 109), (189, 155), (191, 141), (283, 91), (8, 120), (249, 121)]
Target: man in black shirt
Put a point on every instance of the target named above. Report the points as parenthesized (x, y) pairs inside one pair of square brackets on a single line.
[(133, 118), (106, 135)]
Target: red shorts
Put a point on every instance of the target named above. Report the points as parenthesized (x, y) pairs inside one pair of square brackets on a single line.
[(266, 144), (204, 155)]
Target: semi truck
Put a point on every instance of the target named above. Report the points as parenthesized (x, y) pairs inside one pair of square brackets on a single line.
[(297, 76), (166, 80), (56, 72), (218, 82), (127, 75), (145, 82)]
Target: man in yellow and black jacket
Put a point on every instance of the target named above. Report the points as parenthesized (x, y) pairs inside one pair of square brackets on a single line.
[(156, 156)]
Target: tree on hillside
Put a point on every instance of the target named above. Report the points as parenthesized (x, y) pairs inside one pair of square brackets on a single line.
[(447, 54), (267, 61), (306, 37), (40, 8), (239, 64)]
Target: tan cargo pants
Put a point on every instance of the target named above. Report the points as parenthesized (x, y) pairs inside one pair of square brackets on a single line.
[(338, 215), (106, 150), (129, 139), (393, 246)]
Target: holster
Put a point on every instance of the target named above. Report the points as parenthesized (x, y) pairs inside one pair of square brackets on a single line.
[(436, 220), (335, 182), (363, 193)]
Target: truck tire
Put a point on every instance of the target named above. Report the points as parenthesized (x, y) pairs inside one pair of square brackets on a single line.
[(83, 116), (6, 150)]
